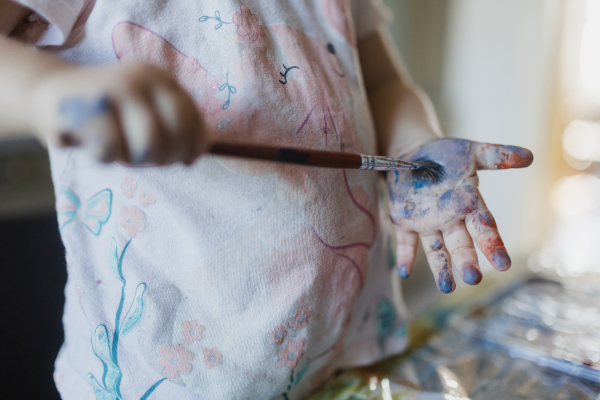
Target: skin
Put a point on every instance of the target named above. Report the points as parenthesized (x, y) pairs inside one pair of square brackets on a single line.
[(137, 113), (134, 113), (450, 217)]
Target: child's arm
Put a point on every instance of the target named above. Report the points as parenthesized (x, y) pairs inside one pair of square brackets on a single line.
[(448, 216), (136, 112), (403, 115)]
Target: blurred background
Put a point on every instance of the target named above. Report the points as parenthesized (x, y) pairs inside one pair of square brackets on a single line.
[(516, 72)]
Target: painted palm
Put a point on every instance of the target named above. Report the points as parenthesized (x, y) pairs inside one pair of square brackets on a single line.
[(106, 348)]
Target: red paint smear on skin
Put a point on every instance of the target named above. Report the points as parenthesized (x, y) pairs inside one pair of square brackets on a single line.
[(485, 220), (488, 246), (515, 159)]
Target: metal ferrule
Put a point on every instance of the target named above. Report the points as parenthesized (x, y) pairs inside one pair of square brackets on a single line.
[(380, 163)]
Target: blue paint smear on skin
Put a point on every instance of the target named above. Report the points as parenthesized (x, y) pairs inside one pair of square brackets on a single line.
[(444, 280), (77, 111), (402, 272), (501, 259), (453, 155), (446, 199), (484, 218), (472, 276), (459, 201), (445, 283), (436, 245), (408, 210)]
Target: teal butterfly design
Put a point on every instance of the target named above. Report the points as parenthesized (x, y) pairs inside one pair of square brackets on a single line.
[(92, 214)]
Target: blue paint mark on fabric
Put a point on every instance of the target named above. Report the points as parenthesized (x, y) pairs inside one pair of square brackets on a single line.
[(397, 176)]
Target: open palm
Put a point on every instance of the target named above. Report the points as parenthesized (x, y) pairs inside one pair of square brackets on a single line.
[(451, 215)]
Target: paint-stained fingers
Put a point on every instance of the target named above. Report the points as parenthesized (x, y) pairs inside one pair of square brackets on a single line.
[(108, 137), (92, 123), (484, 231), (462, 252), (495, 156), (406, 251), (439, 261)]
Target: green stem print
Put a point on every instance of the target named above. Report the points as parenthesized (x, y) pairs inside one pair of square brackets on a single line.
[(296, 380), (109, 386)]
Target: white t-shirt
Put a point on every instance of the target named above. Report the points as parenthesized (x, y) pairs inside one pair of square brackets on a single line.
[(228, 279)]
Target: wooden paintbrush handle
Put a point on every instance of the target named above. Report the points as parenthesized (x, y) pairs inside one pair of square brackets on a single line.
[(315, 158)]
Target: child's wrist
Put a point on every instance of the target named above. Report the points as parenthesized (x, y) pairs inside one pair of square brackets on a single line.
[(408, 145), (42, 94)]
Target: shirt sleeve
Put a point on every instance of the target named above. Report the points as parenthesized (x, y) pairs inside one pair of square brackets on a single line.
[(60, 15), (369, 15)]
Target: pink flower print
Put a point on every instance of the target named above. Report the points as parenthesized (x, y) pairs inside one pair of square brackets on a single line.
[(211, 106), (175, 359), (145, 197), (192, 65), (212, 357), (192, 331), (288, 357), (131, 220), (128, 186), (278, 335), (212, 85), (302, 318), (247, 24)]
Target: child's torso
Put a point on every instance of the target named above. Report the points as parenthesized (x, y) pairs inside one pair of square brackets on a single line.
[(228, 279)]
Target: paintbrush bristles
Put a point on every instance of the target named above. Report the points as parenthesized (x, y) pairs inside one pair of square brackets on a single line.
[(430, 171)]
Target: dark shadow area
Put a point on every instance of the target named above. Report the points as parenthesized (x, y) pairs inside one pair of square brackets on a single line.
[(33, 275)]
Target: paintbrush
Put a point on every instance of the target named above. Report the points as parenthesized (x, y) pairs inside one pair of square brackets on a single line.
[(423, 168)]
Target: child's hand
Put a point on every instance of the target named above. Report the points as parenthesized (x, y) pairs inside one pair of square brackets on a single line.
[(136, 113), (451, 215)]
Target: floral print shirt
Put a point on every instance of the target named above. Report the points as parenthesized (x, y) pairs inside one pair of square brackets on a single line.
[(227, 279)]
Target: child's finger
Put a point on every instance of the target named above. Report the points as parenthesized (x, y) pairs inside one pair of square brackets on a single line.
[(181, 121), (406, 251), (439, 261), (106, 139), (482, 228), (496, 156), (462, 253), (143, 130), (90, 122)]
